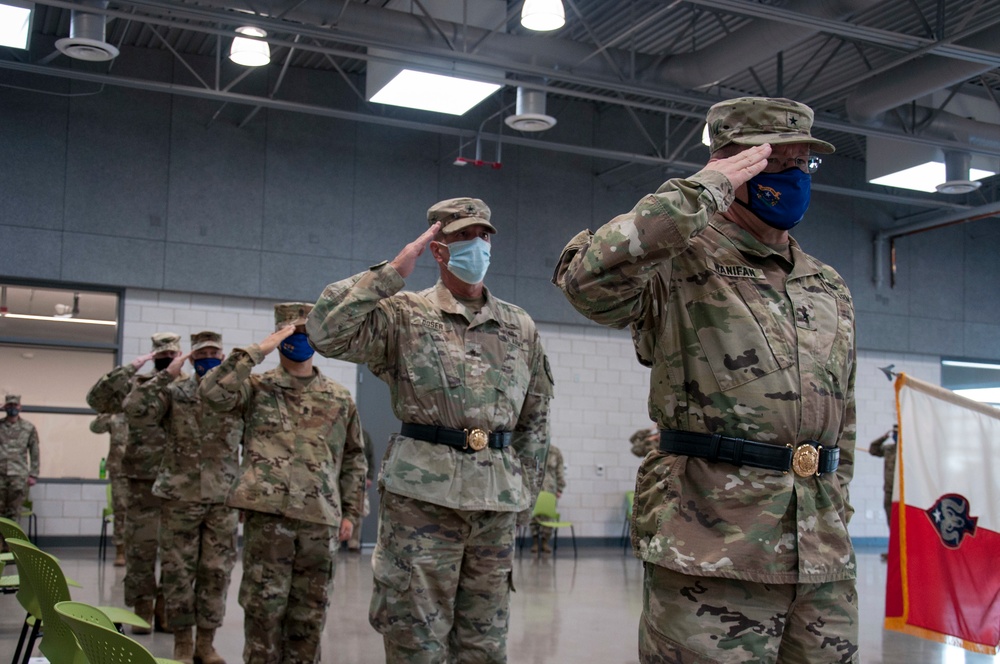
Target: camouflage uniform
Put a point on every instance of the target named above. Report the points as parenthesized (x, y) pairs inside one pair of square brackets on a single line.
[(645, 441), (886, 448), (442, 562), (140, 465), (354, 544), (116, 425), (198, 530), (554, 482), (303, 471), (18, 461), (742, 342)]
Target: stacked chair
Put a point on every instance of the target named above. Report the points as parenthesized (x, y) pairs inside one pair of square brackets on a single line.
[(100, 640)]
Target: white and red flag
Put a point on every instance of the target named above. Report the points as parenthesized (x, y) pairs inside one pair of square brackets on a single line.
[(944, 549)]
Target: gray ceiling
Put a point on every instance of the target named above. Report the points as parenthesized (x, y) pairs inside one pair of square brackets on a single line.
[(889, 68)]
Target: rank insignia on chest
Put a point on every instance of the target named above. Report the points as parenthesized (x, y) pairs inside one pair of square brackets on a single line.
[(737, 270)]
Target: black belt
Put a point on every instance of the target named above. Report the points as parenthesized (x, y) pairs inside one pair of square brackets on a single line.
[(468, 440), (806, 459)]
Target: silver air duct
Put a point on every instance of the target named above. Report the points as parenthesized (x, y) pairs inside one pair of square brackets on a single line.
[(957, 180), (86, 36), (529, 113)]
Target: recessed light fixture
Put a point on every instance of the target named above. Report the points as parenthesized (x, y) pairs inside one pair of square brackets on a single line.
[(250, 52), (59, 319), (433, 92), (15, 23), (924, 177)]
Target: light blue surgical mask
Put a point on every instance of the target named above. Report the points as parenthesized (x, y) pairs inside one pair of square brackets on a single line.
[(469, 260), (780, 199), (296, 347)]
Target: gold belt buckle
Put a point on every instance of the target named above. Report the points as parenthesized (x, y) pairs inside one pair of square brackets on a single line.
[(805, 460), (477, 439)]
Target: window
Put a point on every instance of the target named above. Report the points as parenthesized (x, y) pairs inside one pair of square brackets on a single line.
[(977, 380)]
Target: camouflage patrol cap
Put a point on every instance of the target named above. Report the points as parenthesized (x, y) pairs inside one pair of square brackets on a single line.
[(164, 342), (12, 398), (206, 339), (759, 120), (458, 213), (291, 313)]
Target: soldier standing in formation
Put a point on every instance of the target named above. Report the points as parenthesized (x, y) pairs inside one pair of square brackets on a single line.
[(471, 384), (354, 544), (645, 441), (751, 344), (554, 482), (300, 486), (18, 458), (115, 425), (140, 465), (885, 446), (197, 529)]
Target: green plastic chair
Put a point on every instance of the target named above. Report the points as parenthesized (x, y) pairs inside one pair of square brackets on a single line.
[(547, 517), (42, 573), (107, 517), (9, 528), (28, 512), (98, 638)]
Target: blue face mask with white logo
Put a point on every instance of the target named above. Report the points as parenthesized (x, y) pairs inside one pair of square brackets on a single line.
[(206, 364), (780, 199), (296, 347), (469, 260)]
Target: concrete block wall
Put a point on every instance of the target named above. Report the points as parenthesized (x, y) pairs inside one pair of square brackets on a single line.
[(68, 508)]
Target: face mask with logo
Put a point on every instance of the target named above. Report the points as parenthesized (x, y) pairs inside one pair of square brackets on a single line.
[(296, 347), (162, 363), (206, 364), (469, 260), (12, 411), (780, 199)]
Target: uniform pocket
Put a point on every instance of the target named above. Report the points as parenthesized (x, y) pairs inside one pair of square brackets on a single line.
[(392, 611)]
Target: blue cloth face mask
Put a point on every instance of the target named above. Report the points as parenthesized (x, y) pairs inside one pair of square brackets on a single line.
[(206, 364), (780, 199), (469, 260), (296, 347)]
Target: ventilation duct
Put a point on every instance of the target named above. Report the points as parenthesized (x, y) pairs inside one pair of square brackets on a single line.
[(957, 180), (86, 36), (529, 113)]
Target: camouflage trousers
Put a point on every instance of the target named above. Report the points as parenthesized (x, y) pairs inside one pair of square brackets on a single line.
[(541, 532), (13, 492), (442, 582), (119, 503), (142, 541), (198, 549), (288, 565), (710, 620)]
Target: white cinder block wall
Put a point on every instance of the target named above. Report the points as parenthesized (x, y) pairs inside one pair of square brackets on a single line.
[(601, 393)]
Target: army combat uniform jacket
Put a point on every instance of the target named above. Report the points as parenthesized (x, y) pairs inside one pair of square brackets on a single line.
[(743, 343), (555, 476), (144, 452), (202, 452), (115, 425), (18, 448), (448, 366), (302, 452)]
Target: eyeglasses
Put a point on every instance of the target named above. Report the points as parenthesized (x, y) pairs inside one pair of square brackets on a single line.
[(805, 164)]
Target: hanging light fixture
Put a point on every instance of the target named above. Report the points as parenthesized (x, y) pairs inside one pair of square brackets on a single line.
[(250, 52), (543, 15)]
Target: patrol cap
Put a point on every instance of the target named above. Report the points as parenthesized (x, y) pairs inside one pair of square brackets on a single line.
[(458, 213), (291, 313), (759, 120), (12, 398), (164, 342), (206, 339)]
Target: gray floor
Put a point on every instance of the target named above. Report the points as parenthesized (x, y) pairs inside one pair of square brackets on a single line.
[(564, 610)]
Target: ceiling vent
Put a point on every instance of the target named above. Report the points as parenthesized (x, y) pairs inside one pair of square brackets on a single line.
[(530, 112), (956, 166), (86, 37)]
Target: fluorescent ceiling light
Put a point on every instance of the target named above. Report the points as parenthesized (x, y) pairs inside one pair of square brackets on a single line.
[(14, 23), (988, 395), (250, 52), (543, 15), (433, 92), (61, 319), (970, 365), (924, 177)]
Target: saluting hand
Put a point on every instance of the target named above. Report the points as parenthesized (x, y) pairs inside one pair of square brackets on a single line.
[(174, 368), (742, 166), (271, 342), (141, 360), (406, 261)]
